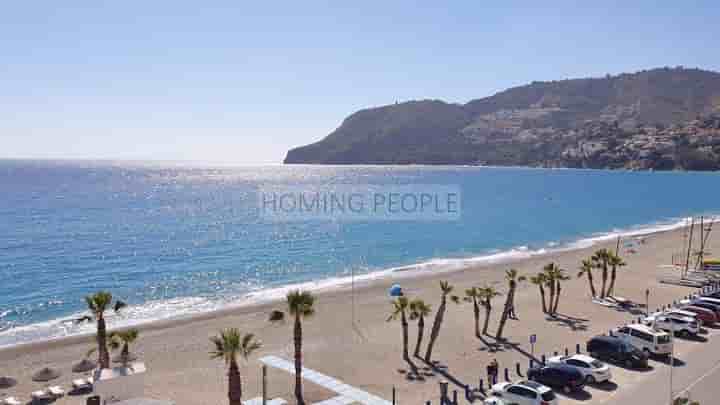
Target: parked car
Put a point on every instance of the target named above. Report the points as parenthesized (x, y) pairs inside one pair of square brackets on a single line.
[(714, 301), (567, 378), (709, 306), (498, 401), (676, 323), (646, 339), (675, 311), (707, 316), (524, 393), (592, 370), (715, 294), (612, 348)]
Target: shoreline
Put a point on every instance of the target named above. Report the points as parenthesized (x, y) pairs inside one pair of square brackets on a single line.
[(352, 341), (436, 267)]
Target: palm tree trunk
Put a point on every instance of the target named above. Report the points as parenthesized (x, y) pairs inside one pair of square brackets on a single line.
[(404, 323), (557, 298), (103, 355), (551, 303), (234, 384), (435, 331), (604, 280), (488, 310), (421, 332), (506, 312), (476, 313), (611, 287), (542, 296), (592, 284), (125, 353), (297, 337)]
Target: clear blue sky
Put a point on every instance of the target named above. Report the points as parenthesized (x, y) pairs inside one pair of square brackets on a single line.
[(243, 81)]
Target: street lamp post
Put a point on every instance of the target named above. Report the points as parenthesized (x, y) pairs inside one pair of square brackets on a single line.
[(672, 362), (647, 302)]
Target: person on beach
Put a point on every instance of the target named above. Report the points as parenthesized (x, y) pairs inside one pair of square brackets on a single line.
[(493, 371)]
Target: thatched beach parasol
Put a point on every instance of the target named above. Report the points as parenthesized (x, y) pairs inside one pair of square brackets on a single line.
[(84, 366), (7, 382), (46, 374)]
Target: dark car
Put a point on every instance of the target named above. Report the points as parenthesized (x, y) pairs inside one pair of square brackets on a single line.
[(707, 305), (558, 375), (611, 348)]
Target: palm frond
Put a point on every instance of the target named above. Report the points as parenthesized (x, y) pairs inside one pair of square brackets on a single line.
[(301, 303)]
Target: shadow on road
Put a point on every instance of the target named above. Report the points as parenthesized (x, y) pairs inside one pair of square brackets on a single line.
[(606, 386)]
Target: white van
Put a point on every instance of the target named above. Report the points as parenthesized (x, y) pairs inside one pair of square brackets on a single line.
[(646, 339)]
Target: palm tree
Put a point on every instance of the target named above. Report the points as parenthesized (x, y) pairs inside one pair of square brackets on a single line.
[(301, 305), (122, 340), (557, 275), (445, 289), (473, 295), (98, 303), (540, 280), (601, 259), (511, 276), (400, 308), (419, 310), (615, 262), (586, 268), (227, 346), (487, 293)]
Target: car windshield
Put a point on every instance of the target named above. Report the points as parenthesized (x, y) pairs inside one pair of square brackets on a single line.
[(596, 364), (548, 396), (663, 339)]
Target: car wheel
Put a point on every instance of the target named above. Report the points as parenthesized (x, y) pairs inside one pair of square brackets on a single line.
[(647, 352), (566, 389), (628, 363), (590, 380), (684, 333)]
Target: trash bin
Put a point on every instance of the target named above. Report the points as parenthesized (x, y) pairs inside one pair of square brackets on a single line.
[(93, 400)]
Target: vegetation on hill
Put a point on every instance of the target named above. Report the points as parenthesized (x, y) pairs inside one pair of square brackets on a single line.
[(661, 119)]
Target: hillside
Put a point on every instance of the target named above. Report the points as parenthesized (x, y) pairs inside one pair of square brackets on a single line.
[(663, 119)]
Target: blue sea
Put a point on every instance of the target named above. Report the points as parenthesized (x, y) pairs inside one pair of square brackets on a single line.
[(179, 239)]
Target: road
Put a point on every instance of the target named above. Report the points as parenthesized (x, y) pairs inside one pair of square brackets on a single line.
[(698, 373)]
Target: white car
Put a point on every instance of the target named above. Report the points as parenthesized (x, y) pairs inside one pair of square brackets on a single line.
[(496, 401), (593, 370), (524, 393), (671, 322), (679, 312)]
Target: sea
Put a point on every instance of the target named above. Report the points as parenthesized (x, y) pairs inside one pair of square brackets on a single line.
[(178, 239)]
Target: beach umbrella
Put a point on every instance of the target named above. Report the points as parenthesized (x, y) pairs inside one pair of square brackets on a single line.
[(396, 291), (7, 382), (84, 366), (46, 374)]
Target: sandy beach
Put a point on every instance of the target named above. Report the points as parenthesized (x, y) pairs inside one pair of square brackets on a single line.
[(367, 354)]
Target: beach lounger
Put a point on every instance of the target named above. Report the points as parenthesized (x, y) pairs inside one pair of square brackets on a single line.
[(42, 395), (11, 401), (623, 302), (56, 391), (604, 302), (82, 384)]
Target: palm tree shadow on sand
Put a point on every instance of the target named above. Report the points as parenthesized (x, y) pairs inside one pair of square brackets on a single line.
[(573, 323), (492, 345), (414, 373), (438, 368)]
